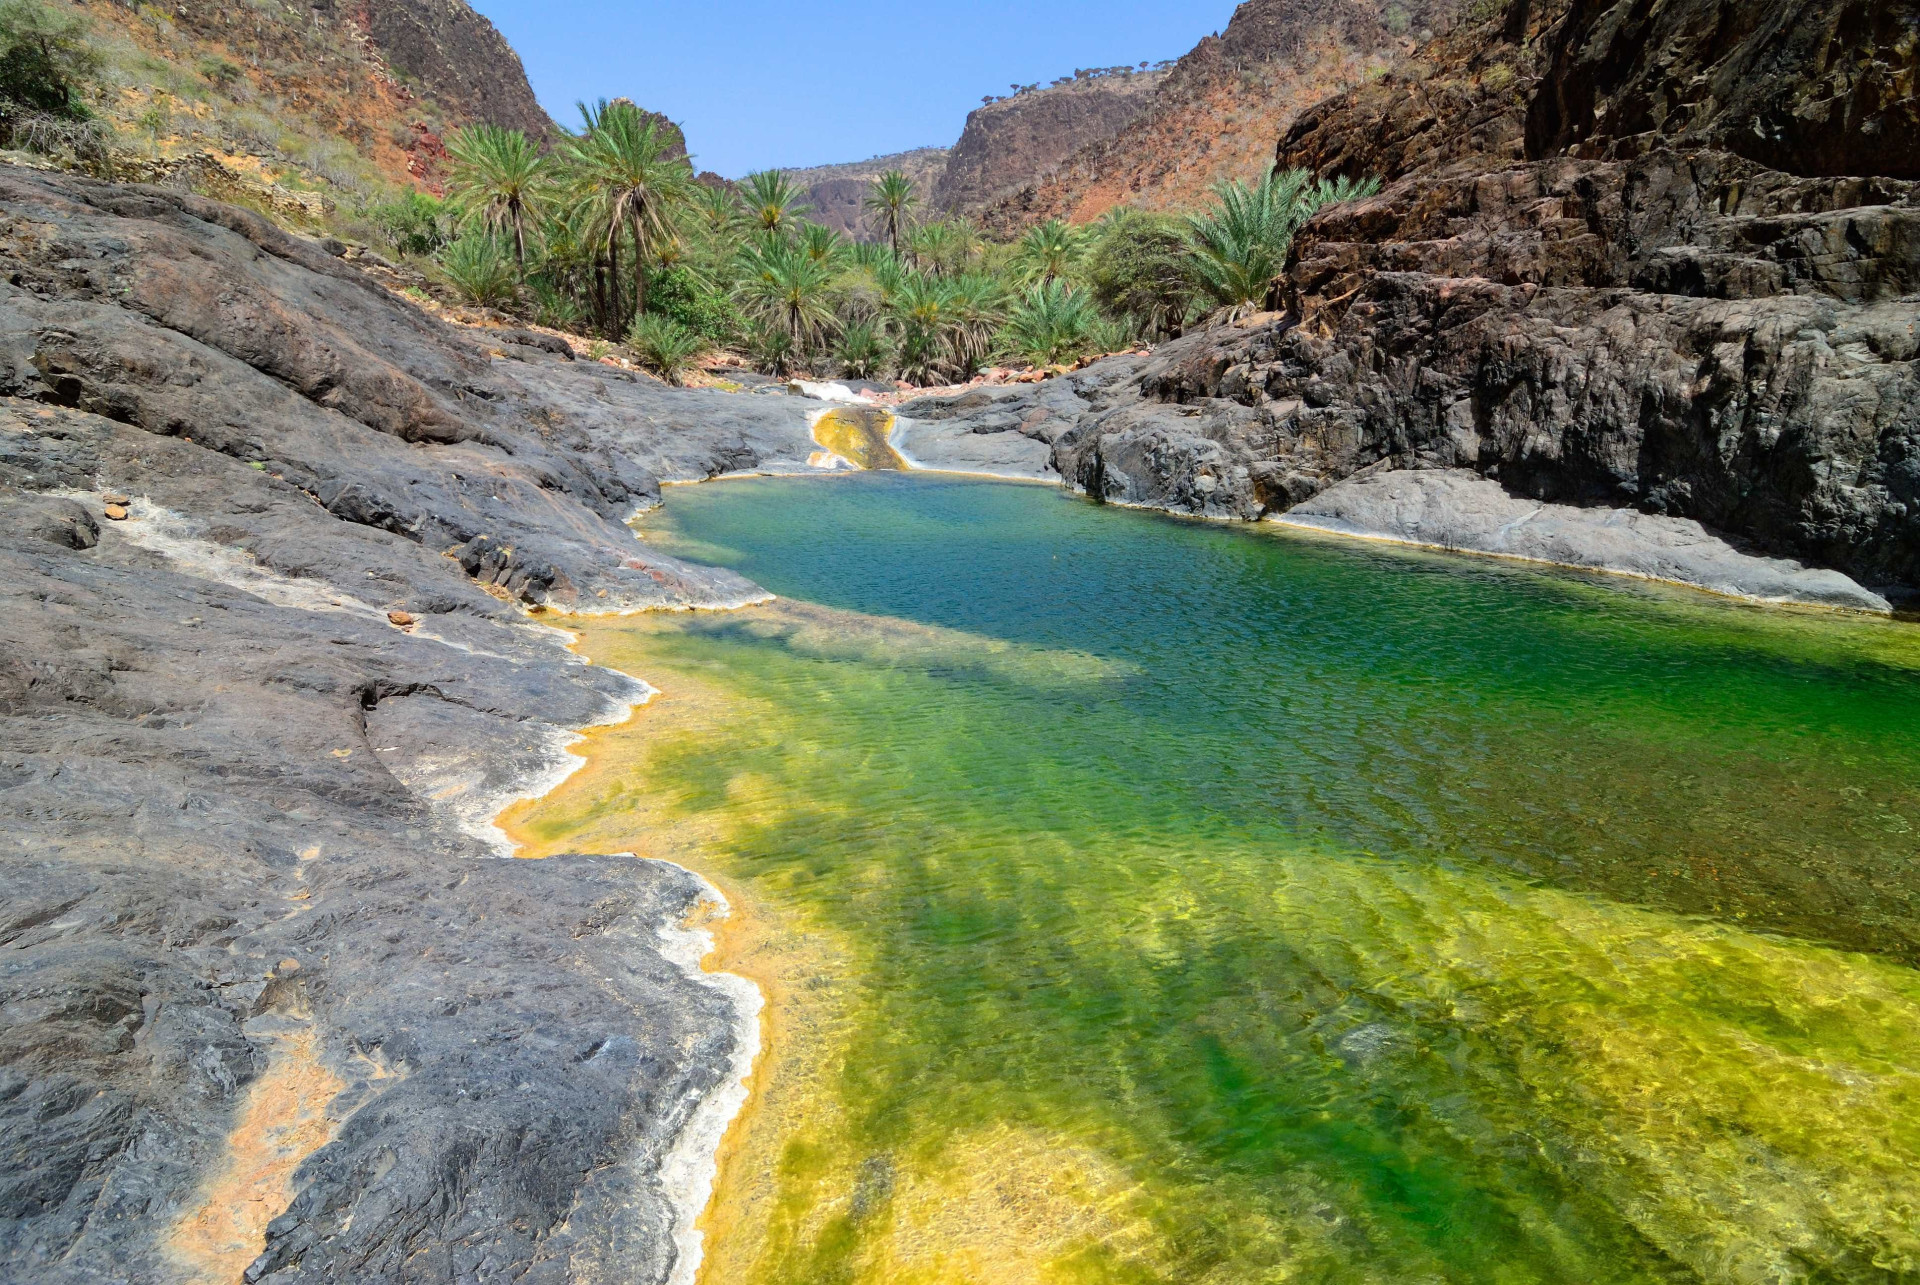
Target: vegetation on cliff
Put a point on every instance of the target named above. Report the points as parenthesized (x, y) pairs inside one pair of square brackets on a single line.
[(46, 70)]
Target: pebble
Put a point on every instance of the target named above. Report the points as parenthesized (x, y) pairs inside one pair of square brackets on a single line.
[(115, 497), (116, 513), (401, 618)]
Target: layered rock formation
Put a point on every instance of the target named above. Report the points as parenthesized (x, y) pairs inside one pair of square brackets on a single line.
[(1589, 279), (1006, 144), (1216, 114), (269, 1007), (1009, 143)]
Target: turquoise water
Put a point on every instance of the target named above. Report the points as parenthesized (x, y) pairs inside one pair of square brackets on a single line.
[(1236, 905)]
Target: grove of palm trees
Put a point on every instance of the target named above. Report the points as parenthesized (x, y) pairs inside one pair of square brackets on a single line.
[(609, 234)]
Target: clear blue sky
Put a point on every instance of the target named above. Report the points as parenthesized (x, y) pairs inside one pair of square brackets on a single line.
[(760, 83)]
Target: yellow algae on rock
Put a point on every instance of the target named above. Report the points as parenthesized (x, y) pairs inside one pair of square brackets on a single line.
[(858, 435)]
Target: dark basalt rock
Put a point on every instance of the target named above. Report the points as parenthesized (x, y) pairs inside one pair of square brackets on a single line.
[(247, 806), (1597, 275)]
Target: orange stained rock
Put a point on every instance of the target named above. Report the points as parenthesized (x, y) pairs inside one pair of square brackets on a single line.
[(282, 1121)]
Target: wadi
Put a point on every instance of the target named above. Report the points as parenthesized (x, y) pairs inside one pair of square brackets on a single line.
[(1295, 664)]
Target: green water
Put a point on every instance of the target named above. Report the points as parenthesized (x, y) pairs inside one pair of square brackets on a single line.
[(1237, 906)]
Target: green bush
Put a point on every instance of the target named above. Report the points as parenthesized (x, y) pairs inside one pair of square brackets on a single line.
[(1139, 269), (770, 348), (664, 346), (481, 268), (218, 71), (554, 307), (863, 350), (414, 224), (679, 294), (46, 63)]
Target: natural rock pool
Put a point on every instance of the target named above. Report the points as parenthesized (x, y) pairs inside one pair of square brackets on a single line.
[(1143, 900)]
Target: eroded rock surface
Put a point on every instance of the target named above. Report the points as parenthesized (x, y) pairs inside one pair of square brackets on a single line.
[(253, 935)]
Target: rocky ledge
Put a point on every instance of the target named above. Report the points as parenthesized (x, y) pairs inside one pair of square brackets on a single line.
[(1459, 510), (1664, 259), (269, 541)]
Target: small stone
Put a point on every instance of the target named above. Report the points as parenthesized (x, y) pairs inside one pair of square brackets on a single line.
[(289, 966), (116, 513), (115, 497), (402, 619)]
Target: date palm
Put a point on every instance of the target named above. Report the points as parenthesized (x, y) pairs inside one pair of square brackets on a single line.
[(942, 247), (633, 175), (891, 201), (1050, 324), (772, 202), (820, 243), (1241, 244), (925, 312), (1048, 251), (786, 289), (496, 182), (976, 306), (716, 208)]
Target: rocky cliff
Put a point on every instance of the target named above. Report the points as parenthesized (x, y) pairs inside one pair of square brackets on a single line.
[(454, 54), (1217, 112), (266, 533), (1659, 257), (335, 101), (1010, 142), (836, 192)]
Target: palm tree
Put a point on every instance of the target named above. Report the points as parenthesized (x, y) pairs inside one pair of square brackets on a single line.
[(977, 305), (1334, 190), (871, 278), (892, 201), (924, 310), (1241, 244), (664, 346), (477, 266), (863, 349), (1052, 323), (1048, 251), (942, 247), (626, 169), (772, 203), (820, 243), (785, 288), (716, 208), (496, 181)]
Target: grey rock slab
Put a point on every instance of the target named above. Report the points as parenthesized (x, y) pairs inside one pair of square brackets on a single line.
[(942, 446), (249, 818), (196, 792), (1460, 510)]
